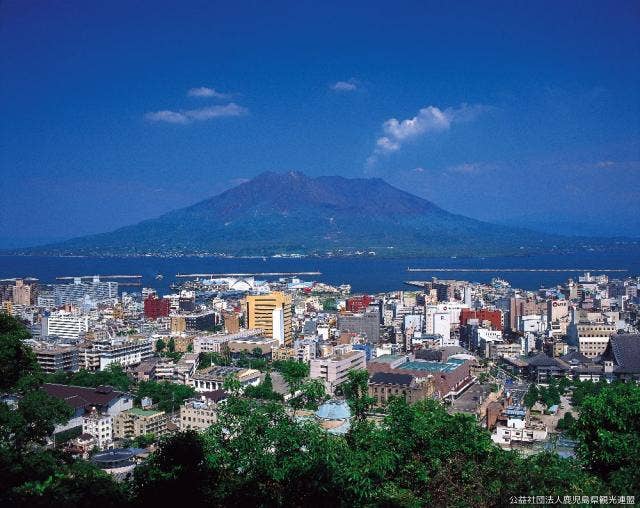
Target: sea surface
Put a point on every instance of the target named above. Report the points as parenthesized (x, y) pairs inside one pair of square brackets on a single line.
[(365, 274)]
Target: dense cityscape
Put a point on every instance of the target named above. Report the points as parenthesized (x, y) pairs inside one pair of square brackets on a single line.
[(134, 373)]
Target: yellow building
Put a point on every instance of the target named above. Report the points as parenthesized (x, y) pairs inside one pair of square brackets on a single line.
[(272, 313), (178, 324)]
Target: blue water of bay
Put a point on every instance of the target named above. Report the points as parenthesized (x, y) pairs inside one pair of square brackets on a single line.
[(365, 274)]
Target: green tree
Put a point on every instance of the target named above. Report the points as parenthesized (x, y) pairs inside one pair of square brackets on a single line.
[(532, 396), (16, 358), (113, 375), (167, 396), (180, 461), (232, 385), (160, 345), (312, 394), (171, 345), (584, 389), (208, 359), (293, 373), (549, 396), (263, 391), (608, 434), (356, 389), (145, 440), (563, 385), (566, 423)]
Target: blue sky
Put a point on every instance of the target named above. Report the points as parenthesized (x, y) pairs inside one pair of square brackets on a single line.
[(515, 112)]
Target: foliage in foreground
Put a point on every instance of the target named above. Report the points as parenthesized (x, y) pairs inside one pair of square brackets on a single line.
[(257, 454)]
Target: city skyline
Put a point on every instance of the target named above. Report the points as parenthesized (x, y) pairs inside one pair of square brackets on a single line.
[(518, 114)]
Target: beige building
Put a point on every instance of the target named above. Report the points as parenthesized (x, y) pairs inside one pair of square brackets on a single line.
[(272, 313), (138, 422), (21, 293), (593, 338), (249, 344), (231, 322), (199, 414), (335, 369), (283, 353), (178, 324), (383, 385)]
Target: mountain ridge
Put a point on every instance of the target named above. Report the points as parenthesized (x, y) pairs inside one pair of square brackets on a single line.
[(292, 213)]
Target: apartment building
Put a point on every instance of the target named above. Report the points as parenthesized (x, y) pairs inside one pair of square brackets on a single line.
[(334, 370), (98, 355), (54, 358), (100, 427), (138, 422), (593, 338)]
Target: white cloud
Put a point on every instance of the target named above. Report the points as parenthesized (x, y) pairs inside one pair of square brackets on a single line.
[(166, 116), (345, 86), (428, 120), (196, 115), (467, 167), (204, 91), (473, 167), (386, 145)]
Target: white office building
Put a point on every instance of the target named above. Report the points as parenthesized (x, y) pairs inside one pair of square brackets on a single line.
[(64, 325)]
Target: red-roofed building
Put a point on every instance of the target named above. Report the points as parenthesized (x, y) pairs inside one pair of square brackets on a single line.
[(493, 316), (155, 307), (358, 303)]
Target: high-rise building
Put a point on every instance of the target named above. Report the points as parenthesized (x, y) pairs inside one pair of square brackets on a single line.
[(260, 314), (81, 293), (21, 293), (155, 307), (364, 323), (64, 325)]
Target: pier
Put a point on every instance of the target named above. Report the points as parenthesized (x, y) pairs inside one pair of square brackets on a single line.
[(577, 270), (220, 275)]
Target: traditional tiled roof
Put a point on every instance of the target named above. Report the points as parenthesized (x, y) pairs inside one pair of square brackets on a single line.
[(576, 358), (389, 378), (624, 350), (80, 396), (543, 360)]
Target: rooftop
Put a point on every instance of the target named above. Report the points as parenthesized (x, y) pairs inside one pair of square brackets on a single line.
[(390, 378), (143, 412), (429, 366), (387, 358), (81, 396)]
